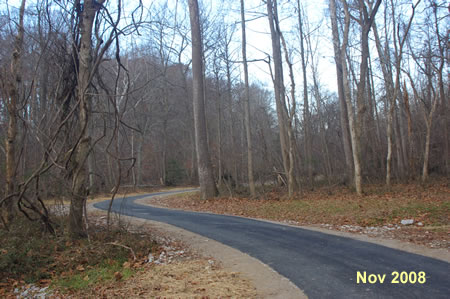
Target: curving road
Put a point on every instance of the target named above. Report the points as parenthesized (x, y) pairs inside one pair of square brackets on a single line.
[(322, 265)]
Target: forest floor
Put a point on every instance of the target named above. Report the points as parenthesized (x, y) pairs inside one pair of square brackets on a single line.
[(133, 261), (379, 213)]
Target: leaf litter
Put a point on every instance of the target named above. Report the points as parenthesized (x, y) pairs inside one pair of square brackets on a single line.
[(425, 211)]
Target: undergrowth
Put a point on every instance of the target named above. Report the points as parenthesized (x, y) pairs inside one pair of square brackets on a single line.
[(31, 256)]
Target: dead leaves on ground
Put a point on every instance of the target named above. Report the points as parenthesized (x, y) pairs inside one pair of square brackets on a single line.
[(338, 207)]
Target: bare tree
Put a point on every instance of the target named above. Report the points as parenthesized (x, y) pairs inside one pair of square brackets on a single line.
[(208, 187), (340, 64), (13, 100), (306, 113), (355, 121), (392, 87), (88, 66), (251, 181), (279, 83)]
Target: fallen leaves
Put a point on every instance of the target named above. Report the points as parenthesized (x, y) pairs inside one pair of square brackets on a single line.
[(118, 276), (80, 268), (338, 206)]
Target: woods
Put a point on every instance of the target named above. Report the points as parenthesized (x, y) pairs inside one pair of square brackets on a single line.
[(98, 95)]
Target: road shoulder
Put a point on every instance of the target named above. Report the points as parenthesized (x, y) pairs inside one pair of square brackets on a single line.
[(437, 253), (268, 283)]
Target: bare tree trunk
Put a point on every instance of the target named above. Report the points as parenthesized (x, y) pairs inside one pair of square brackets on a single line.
[(372, 141), (133, 170), (444, 121), (426, 157), (366, 21), (219, 135), (342, 102), (84, 98), (164, 154), (251, 181), (111, 172), (410, 140), (230, 112), (444, 49), (399, 143), (292, 186), (306, 114), (389, 86), (91, 162), (139, 160), (207, 185), (402, 122), (279, 84), (392, 89), (13, 93), (219, 122), (92, 187), (347, 92), (428, 117)]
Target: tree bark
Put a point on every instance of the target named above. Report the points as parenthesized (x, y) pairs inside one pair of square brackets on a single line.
[(13, 93), (410, 140), (251, 181), (84, 98), (219, 132), (356, 122), (392, 89), (292, 186), (306, 114), (279, 84), (208, 187), (341, 93), (230, 112), (348, 100), (138, 166), (426, 157)]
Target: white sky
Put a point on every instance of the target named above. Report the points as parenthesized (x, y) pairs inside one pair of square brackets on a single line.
[(258, 39)]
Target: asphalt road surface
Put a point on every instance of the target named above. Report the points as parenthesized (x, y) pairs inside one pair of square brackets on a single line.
[(322, 265)]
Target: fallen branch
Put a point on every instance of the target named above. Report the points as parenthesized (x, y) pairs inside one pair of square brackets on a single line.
[(126, 247)]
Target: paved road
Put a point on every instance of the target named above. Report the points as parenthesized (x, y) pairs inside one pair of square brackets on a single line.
[(322, 265)]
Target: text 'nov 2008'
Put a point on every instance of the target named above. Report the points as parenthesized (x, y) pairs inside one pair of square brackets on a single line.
[(403, 277)]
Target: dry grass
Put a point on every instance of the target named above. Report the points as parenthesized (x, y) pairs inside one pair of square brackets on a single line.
[(196, 278)]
